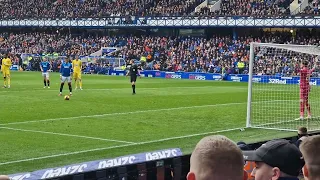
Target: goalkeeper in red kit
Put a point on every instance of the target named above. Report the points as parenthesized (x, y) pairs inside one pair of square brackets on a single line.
[(305, 87)]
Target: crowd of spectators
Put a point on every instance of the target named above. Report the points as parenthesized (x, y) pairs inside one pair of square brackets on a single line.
[(95, 8), (218, 54), (264, 8), (217, 157), (259, 9), (110, 8), (40, 42), (312, 9)]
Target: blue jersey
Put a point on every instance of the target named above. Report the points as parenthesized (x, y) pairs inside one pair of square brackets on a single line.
[(45, 65), (66, 69)]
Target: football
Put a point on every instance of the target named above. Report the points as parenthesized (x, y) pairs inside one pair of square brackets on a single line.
[(66, 97)]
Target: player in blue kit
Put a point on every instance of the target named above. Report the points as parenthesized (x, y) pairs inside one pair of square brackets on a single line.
[(65, 75), (45, 68)]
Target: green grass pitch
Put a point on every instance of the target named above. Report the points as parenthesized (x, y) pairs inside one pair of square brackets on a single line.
[(39, 129)]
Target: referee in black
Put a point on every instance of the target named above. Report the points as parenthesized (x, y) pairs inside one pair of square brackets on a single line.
[(134, 72)]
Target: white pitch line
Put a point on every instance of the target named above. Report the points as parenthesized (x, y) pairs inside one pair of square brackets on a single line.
[(69, 135), (183, 87), (132, 112), (114, 147), (116, 89)]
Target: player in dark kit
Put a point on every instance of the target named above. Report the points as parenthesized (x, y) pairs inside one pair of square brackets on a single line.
[(305, 87), (133, 72), (66, 75)]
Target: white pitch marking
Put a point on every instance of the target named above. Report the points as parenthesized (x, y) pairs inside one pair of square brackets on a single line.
[(114, 147), (182, 87), (132, 112), (117, 89), (70, 135)]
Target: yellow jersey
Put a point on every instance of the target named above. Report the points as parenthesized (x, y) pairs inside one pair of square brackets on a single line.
[(77, 65), (6, 64)]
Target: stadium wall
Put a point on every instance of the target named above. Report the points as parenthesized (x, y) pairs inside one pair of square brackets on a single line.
[(157, 165), (272, 79)]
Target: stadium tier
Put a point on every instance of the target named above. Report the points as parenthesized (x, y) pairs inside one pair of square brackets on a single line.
[(312, 9), (249, 8), (96, 8), (217, 54), (101, 8)]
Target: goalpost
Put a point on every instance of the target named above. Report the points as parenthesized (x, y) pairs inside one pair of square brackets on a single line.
[(273, 87)]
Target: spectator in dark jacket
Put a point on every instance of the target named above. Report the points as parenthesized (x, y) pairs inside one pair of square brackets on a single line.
[(276, 160)]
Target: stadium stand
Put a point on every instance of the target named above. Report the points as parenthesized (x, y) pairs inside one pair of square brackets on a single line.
[(250, 8), (217, 54), (38, 42), (102, 8), (95, 8), (312, 9)]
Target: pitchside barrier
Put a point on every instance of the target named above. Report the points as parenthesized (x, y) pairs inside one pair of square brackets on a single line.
[(271, 79), (157, 165)]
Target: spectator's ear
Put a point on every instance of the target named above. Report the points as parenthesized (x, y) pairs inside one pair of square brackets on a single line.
[(276, 173), (191, 176), (305, 172)]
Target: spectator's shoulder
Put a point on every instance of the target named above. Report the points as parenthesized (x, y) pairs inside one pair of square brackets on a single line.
[(298, 142)]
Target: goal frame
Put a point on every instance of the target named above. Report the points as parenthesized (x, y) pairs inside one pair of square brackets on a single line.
[(307, 49)]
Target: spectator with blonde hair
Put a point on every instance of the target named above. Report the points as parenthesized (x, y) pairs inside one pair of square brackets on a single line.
[(216, 158), (310, 147), (3, 177)]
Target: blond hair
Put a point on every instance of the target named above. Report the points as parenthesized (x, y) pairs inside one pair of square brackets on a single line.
[(3, 177), (215, 158), (309, 149)]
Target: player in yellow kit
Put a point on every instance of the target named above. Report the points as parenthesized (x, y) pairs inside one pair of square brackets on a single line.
[(5, 69), (77, 68)]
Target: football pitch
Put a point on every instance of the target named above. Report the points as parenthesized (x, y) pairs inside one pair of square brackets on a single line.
[(39, 129)]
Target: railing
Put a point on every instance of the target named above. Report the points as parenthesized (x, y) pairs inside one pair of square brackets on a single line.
[(182, 22)]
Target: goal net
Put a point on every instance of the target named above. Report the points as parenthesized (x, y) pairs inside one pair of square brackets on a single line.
[(274, 90)]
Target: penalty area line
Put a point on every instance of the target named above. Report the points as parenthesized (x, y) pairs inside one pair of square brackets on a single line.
[(134, 112), (141, 88), (69, 135), (115, 147)]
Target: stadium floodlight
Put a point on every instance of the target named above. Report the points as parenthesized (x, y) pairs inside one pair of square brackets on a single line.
[(273, 86)]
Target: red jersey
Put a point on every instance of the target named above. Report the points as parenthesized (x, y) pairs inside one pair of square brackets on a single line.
[(305, 73)]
